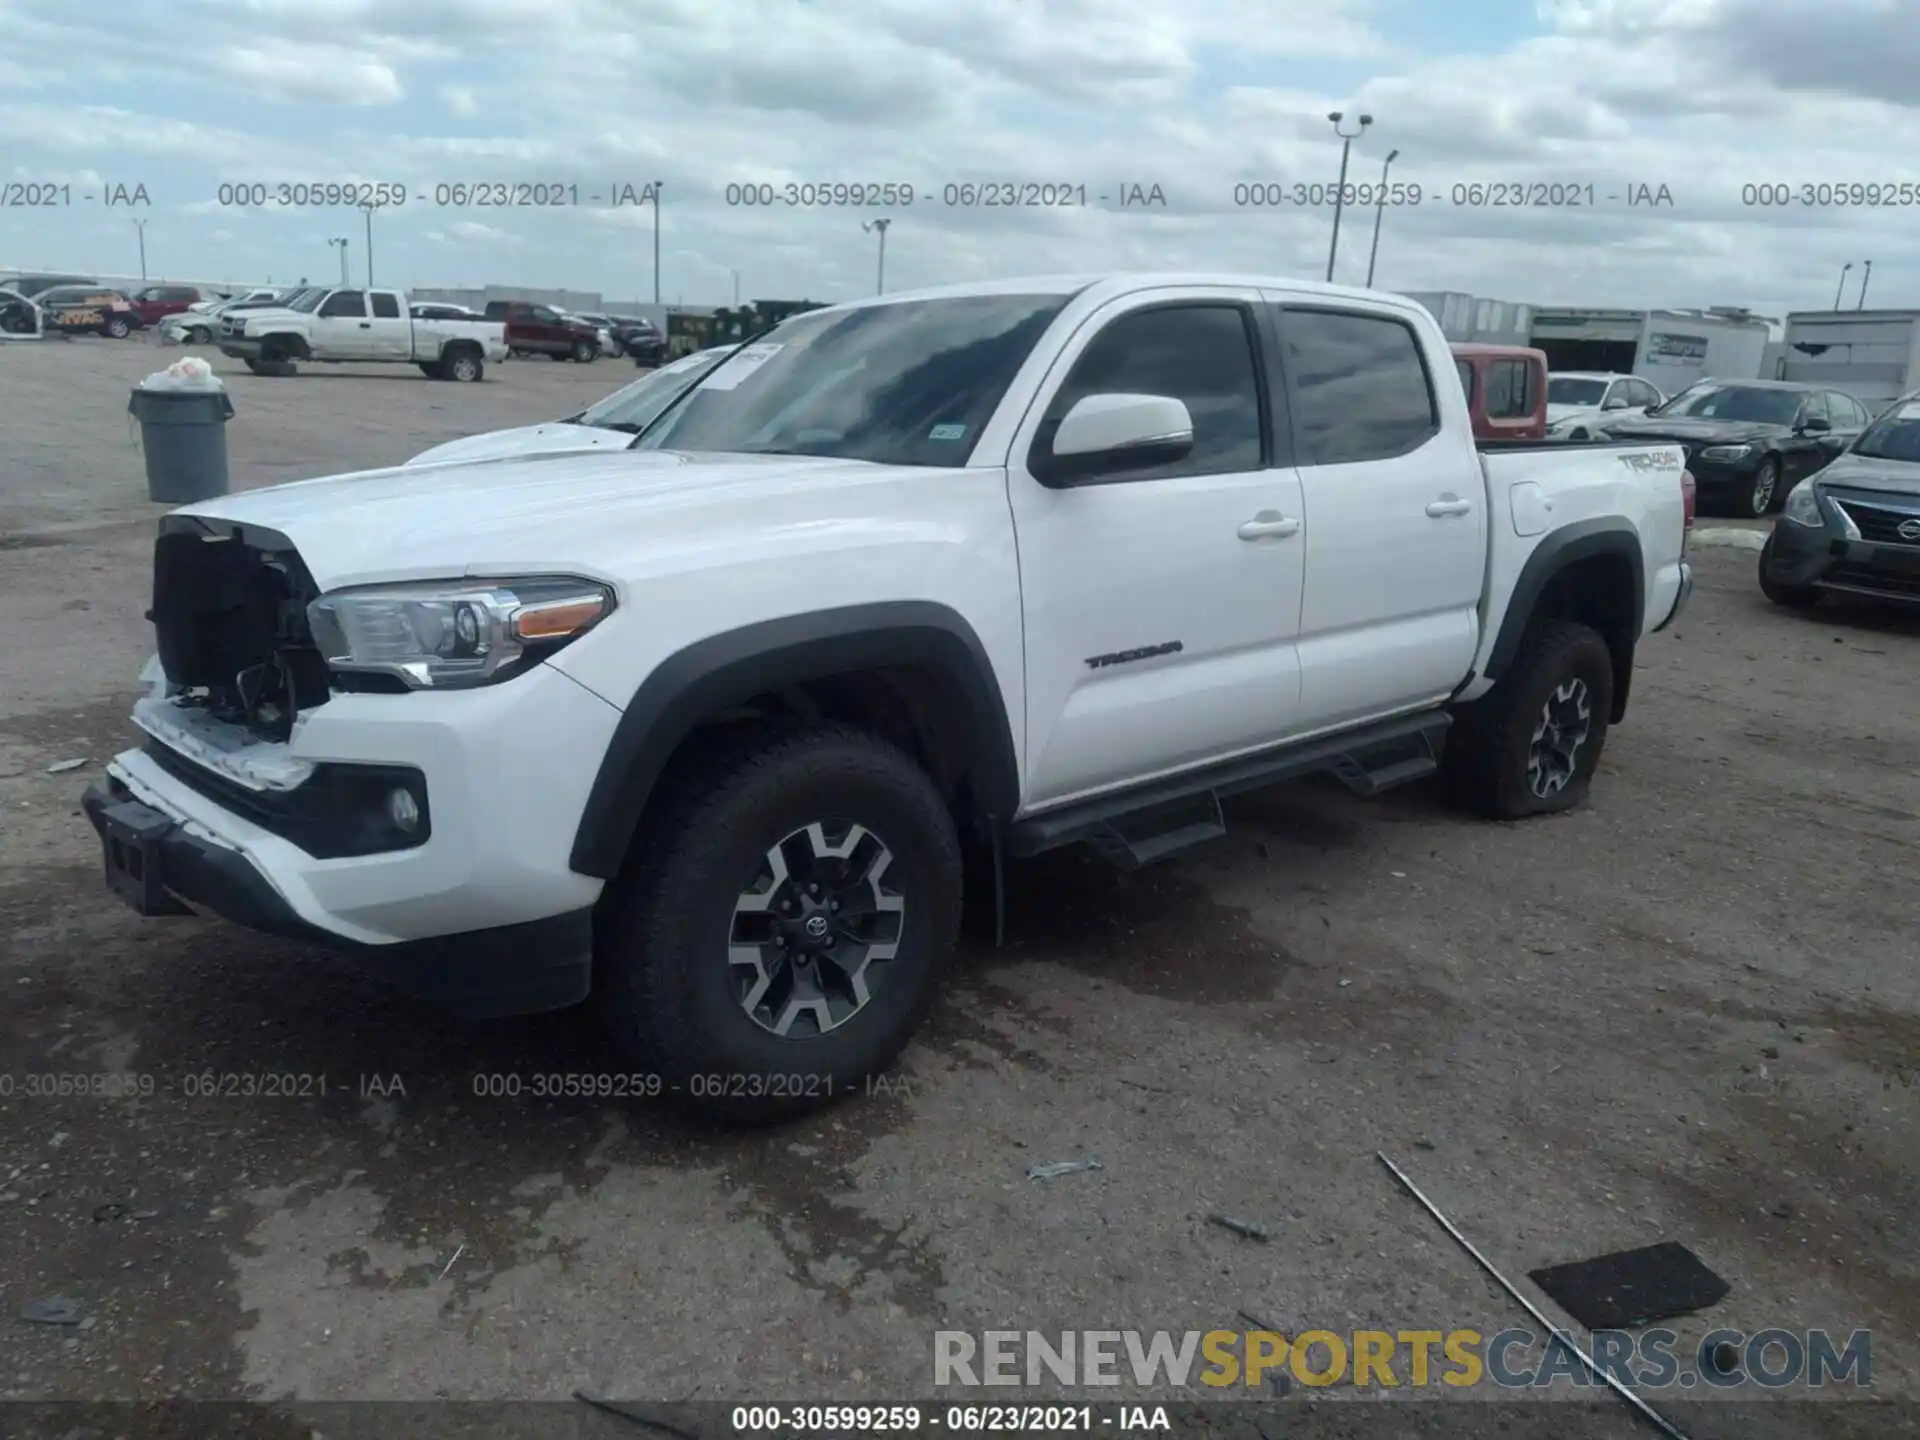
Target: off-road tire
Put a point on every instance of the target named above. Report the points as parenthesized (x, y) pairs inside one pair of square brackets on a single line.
[(662, 978), (1490, 747), (1793, 597)]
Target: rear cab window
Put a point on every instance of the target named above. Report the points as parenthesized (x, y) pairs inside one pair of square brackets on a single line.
[(1358, 383)]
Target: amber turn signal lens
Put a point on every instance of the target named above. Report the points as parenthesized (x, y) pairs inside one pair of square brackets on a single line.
[(557, 619)]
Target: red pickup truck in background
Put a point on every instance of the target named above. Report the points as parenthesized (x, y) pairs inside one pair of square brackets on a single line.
[(156, 302), (1506, 389)]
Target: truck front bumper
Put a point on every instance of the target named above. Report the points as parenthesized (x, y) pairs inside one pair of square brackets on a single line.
[(239, 347)]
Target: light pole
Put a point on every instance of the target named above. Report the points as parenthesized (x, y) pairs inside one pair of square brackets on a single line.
[(655, 190), (736, 289), (339, 242), (1841, 287), (1340, 195), (369, 210), (1863, 285), (880, 285), (141, 226), (1379, 208)]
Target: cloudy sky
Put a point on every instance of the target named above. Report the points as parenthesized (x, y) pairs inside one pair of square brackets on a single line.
[(1613, 98)]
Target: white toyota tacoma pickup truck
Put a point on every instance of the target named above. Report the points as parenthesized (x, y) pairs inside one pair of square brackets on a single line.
[(359, 327), (701, 729)]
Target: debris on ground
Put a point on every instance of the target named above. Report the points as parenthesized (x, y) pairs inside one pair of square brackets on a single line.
[(60, 767), (1061, 1167), (58, 1310), (1631, 1288), (112, 1210), (1245, 1228), (637, 1416)]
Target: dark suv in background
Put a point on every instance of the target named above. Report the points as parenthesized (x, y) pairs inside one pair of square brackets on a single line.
[(543, 330), (640, 340)]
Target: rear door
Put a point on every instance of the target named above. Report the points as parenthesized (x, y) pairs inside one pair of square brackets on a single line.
[(1395, 511), (392, 332), (341, 327), (1160, 603)]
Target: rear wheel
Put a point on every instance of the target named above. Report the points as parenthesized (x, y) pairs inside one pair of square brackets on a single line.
[(118, 328), (462, 365), (780, 928), (585, 352), (1531, 744), (1793, 597)]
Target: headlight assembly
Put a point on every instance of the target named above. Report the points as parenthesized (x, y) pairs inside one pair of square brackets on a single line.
[(454, 634), (1803, 506), (1726, 453)]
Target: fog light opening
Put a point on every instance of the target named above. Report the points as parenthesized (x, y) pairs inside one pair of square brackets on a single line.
[(403, 810)]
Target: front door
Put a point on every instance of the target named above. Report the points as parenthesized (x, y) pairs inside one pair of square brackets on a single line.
[(1160, 603), (1396, 515), (341, 329)]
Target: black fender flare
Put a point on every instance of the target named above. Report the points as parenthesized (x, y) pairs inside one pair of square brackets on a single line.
[(1579, 541), (724, 670)]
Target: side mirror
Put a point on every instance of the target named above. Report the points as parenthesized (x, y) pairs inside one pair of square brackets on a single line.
[(1814, 425), (1615, 402), (1107, 434)]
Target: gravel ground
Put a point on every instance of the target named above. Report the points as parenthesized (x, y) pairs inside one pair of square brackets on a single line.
[(1690, 1011)]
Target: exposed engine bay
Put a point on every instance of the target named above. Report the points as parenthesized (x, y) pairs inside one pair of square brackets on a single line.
[(230, 621)]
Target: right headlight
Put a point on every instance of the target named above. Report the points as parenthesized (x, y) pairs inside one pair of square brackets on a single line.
[(454, 634), (1803, 506)]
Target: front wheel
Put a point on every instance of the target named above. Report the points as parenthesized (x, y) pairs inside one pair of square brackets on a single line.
[(780, 928), (118, 328), (585, 352), (199, 335), (1760, 495), (1793, 597), (1530, 745)]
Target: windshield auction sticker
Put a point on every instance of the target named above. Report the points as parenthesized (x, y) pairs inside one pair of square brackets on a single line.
[(748, 360)]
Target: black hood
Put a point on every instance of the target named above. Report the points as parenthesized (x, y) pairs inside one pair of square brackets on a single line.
[(1863, 472), (1690, 431)]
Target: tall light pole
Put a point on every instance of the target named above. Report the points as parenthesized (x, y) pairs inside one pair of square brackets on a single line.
[(369, 210), (141, 226), (1841, 287), (1863, 286), (880, 283), (736, 289), (1340, 195), (339, 242), (654, 190), (1379, 208)]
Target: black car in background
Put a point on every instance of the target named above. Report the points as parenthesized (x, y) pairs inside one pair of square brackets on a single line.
[(1854, 528), (640, 339), (1749, 442)]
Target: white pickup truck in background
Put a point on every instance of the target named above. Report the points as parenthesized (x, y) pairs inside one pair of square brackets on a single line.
[(345, 326), (702, 727)]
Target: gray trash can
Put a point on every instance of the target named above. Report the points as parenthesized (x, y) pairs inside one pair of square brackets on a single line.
[(185, 437)]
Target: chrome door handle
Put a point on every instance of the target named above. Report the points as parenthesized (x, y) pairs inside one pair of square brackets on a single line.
[(1449, 506), (1269, 522)]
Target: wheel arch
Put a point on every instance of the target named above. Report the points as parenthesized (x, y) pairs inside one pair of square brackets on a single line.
[(1593, 572), (917, 665)]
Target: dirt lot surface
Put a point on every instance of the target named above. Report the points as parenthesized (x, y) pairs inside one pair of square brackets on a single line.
[(1690, 1011)]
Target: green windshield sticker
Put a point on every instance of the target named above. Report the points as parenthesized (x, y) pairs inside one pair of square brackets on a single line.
[(947, 432)]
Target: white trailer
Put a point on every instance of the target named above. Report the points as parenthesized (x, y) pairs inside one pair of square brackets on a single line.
[(1873, 355), (1669, 348)]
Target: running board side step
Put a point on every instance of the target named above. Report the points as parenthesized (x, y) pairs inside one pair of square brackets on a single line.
[(1154, 821)]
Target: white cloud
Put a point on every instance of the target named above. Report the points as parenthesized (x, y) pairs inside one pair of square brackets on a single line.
[(308, 73), (1703, 96)]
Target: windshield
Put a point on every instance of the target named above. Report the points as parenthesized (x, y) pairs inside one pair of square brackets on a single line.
[(633, 407), (305, 301), (907, 383), (1569, 390), (1894, 436), (1735, 402)]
